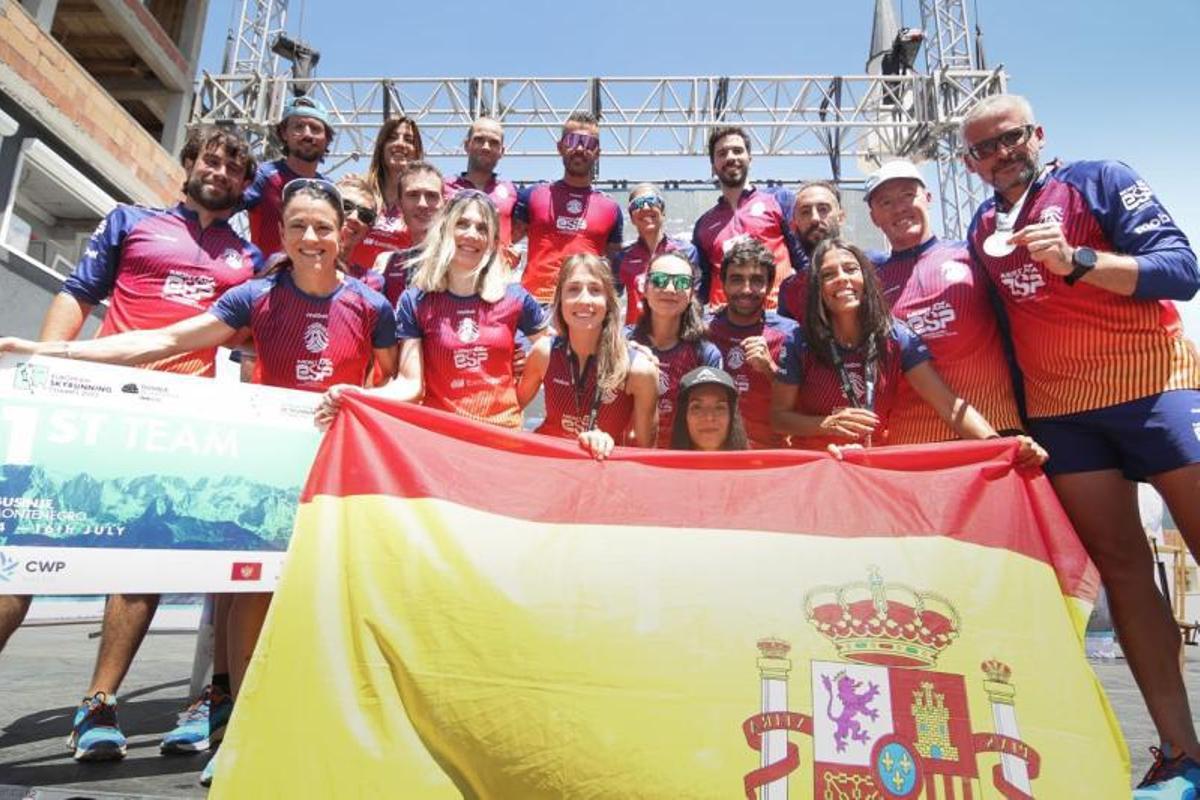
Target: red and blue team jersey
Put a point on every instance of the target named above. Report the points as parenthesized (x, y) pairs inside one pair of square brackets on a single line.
[(754, 387), (467, 349), (821, 387), (396, 274), (673, 364), (562, 220), (934, 288), (308, 342), (502, 193), (370, 277), (764, 214), (1081, 347), (157, 267), (263, 202), (632, 263), (568, 407), (387, 235)]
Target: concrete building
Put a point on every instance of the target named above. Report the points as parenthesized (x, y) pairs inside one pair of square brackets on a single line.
[(94, 99)]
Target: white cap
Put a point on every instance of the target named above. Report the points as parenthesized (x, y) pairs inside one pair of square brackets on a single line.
[(892, 170)]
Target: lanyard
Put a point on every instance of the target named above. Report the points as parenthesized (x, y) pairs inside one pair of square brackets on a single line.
[(869, 373), (578, 388)]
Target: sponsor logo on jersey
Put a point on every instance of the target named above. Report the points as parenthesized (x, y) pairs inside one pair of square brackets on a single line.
[(570, 224), (573, 424), (313, 371), (933, 320), (1152, 223), (470, 357), (574, 206), (1023, 282), (189, 290), (955, 272), (468, 330), (1051, 214), (742, 383), (1137, 196), (736, 357), (316, 337)]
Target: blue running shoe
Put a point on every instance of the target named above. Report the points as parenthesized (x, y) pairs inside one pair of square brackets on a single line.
[(1176, 778), (95, 735), (202, 725), (210, 769)]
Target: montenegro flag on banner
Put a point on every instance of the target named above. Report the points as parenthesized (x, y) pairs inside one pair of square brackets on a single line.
[(471, 612)]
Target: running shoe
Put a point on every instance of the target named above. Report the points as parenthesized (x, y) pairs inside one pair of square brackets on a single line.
[(1176, 778), (95, 735), (210, 769), (202, 725)]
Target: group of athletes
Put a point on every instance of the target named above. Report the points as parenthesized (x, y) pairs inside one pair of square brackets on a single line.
[(1053, 323)]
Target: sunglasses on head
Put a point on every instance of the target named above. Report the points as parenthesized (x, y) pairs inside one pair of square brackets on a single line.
[(318, 185), (365, 215), (661, 280), (584, 141), (474, 194), (646, 201), (1009, 139)]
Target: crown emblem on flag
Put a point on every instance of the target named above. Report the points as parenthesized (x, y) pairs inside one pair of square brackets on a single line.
[(889, 624), (996, 671)]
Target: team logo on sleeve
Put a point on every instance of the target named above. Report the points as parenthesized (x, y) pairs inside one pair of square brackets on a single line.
[(1137, 196), (316, 337), (1023, 282), (468, 330)]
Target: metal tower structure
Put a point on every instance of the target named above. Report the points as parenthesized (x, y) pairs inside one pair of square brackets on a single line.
[(863, 119), (948, 53)]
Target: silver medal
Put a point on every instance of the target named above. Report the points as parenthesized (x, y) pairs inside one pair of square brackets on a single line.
[(997, 245)]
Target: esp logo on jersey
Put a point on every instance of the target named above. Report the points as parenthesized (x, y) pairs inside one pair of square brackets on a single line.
[(314, 371), (470, 357), (190, 290), (933, 320), (1023, 282), (1137, 196)]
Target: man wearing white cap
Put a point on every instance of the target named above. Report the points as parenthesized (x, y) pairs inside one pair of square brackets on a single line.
[(932, 285)]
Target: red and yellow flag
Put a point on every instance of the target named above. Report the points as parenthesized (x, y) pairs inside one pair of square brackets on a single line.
[(471, 612)]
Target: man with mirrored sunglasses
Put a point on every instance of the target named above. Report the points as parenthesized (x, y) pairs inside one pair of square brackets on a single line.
[(567, 216), (1087, 262)]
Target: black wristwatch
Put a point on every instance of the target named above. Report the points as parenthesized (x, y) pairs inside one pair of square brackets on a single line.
[(1084, 259)]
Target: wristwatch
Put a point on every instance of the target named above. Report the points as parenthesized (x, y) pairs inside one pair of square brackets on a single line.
[(1084, 259)]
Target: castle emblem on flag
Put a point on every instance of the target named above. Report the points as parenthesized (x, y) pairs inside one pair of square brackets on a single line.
[(885, 724)]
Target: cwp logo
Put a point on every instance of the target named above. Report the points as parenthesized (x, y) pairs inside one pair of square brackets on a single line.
[(7, 567)]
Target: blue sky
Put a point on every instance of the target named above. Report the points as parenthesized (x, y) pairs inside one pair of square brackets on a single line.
[(1107, 79)]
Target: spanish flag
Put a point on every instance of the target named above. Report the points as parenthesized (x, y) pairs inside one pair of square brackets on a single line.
[(471, 612)]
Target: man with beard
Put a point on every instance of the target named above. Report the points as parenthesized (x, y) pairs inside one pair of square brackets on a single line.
[(741, 211), (750, 338), (1087, 263), (485, 148), (155, 267), (305, 134), (421, 198), (817, 215), (931, 285), (567, 216)]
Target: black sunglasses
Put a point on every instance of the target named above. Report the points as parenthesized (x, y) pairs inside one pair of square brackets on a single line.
[(1008, 140), (365, 215)]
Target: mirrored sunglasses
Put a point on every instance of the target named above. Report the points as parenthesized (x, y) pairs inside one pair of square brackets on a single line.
[(661, 280)]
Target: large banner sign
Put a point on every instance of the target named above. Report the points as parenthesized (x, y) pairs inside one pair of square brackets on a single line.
[(467, 612), (128, 480)]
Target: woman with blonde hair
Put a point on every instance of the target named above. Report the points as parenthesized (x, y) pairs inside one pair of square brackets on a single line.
[(597, 386), (397, 144), (457, 321)]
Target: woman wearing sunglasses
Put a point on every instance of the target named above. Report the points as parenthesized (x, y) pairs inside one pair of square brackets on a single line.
[(312, 327), (839, 373), (359, 209), (457, 321), (397, 143), (672, 327), (647, 210), (708, 418), (597, 387)]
